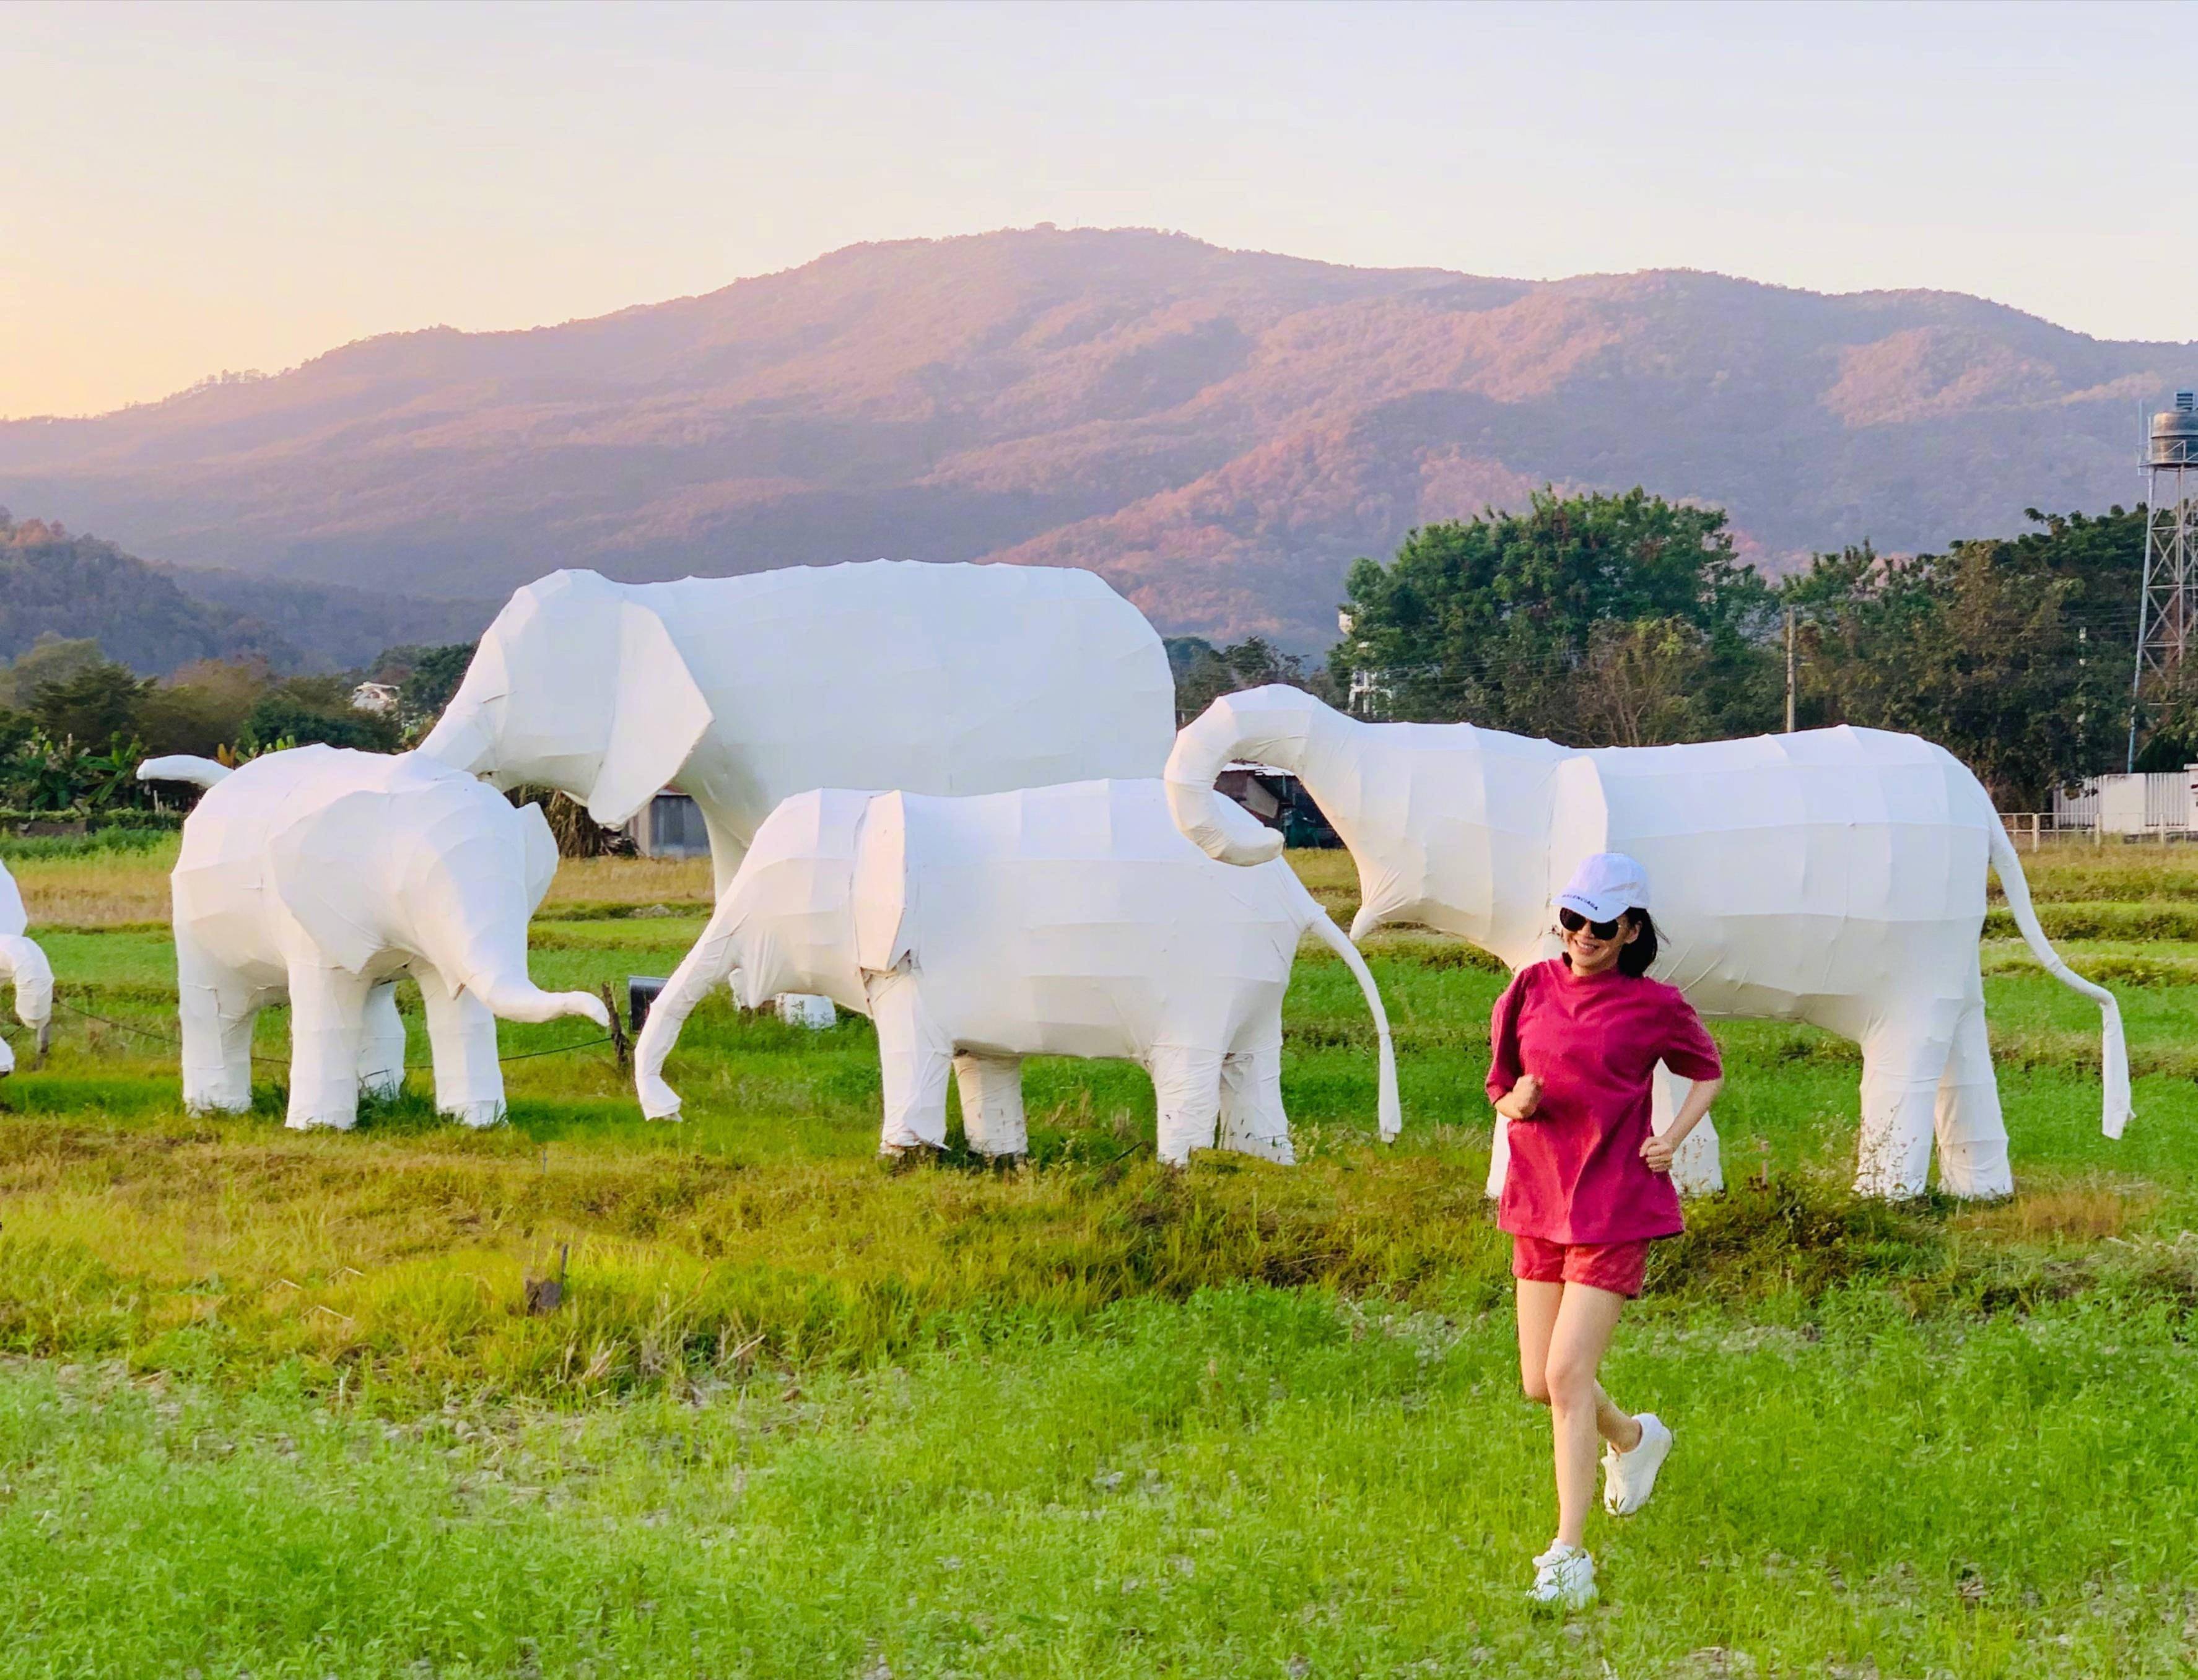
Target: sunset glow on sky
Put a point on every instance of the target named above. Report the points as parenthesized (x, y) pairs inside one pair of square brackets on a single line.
[(189, 189)]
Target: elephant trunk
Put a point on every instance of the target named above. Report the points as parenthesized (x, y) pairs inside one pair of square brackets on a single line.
[(515, 998), (23, 962), (715, 955), (1273, 725), (469, 913)]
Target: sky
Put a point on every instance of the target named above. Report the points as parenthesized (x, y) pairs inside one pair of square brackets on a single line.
[(186, 189)]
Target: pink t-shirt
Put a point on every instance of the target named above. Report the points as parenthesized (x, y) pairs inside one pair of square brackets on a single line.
[(1576, 1172)]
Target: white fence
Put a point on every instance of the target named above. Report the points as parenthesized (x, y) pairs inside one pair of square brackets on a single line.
[(2159, 804)]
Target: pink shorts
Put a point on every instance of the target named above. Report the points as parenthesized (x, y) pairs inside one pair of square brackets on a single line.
[(1617, 1267)]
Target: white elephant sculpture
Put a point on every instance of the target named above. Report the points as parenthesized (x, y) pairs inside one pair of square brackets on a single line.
[(1065, 920), (24, 965), (933, 678), (1834, 876), (326, 874)]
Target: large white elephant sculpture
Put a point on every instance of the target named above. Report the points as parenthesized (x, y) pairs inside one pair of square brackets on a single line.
[(23, 965), (326, 874), (932, 678), (1066, 921), (1834, 876)]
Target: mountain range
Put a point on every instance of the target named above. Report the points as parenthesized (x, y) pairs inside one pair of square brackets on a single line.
[(1218, 431)]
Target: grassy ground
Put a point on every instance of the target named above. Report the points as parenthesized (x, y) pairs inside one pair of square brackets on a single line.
[(273, 1403)]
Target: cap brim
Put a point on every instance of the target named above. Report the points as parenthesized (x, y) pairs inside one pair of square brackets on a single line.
[(1597, 909)]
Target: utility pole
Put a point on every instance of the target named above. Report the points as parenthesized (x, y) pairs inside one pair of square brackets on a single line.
[(1789, 670)]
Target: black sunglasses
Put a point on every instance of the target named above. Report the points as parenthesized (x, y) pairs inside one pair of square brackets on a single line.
[(1572, 922)]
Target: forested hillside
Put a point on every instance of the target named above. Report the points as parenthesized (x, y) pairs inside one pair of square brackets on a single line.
[(55, 583), (58, 583)]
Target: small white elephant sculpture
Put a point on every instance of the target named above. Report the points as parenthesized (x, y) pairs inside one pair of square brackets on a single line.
[(1065, 920), (24, 965), (326, 875), (1834, 876)]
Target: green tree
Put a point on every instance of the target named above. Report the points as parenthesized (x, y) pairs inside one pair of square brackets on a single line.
[(50, 659), (1495, 620), (94, 706), (426, 679), (304, 709), (2013, 653), (1204, 672), (202, 708)]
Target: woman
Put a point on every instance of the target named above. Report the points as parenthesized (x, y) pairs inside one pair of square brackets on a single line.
[(1576, 1042)]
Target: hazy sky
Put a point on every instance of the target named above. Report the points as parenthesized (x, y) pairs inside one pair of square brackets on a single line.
[(188, 188)]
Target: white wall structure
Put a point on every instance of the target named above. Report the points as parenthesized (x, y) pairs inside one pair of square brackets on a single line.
[(2155, 803), (24, 966), (1834, 876), (1062, 921), (323, 875)]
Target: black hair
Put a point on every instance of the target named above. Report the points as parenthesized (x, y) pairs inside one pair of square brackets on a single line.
[(1638, 955)]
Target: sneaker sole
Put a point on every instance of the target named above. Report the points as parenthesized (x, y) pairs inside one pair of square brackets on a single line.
[(1562, 1607), (1615, 1508)]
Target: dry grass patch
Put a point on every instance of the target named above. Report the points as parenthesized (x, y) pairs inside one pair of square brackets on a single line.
[(2078, 1213)]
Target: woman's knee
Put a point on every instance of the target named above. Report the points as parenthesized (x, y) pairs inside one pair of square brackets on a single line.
[(1536, 1384), (1568, 1382)]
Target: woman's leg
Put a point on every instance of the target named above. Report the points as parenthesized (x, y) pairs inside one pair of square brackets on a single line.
[(1538, 1322), (1579, 1411)]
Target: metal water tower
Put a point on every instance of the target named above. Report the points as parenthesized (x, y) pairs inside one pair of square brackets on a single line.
[(2167, 602)]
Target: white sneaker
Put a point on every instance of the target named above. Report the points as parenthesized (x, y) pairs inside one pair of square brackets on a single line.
[(1564, 1579), (1629, 1478)]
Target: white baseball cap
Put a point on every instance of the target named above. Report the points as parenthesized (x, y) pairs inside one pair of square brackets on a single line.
[(1604, 886)]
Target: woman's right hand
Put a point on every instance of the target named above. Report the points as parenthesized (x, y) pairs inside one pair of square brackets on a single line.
[(1520, 1103)]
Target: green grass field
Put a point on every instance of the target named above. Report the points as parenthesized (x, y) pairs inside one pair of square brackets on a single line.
[(271, 1403)]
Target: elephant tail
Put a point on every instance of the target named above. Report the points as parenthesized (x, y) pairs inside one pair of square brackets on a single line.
[(183, 767), (1392, 1116), (2113, 1052)]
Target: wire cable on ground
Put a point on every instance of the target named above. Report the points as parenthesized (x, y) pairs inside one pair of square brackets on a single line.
[(284, 1061)]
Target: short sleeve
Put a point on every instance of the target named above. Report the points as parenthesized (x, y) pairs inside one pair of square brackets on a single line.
[(1688, 1049), (1503, 1067)]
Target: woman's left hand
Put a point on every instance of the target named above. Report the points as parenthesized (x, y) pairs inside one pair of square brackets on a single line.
[(1658, 1152)]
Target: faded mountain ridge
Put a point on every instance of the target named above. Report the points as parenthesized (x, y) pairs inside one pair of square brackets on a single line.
[(1218, 431), (153, 619)]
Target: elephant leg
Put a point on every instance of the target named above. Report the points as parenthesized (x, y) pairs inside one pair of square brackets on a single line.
[(1903, 1058), (1252, 1122), (327, 1020), (216, 1011), (1971, 1135), (915, 1057), (1187, 1092), (461, 1037), (381, 1044), (1697, 1169), (992, 1090)]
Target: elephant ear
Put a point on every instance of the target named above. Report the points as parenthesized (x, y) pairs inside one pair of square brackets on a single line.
[(884, 907), (323, 866), (541, 853), (659, 715)]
